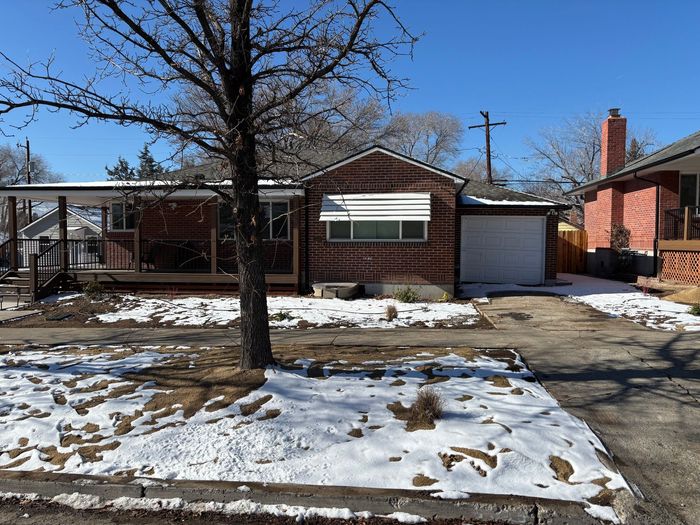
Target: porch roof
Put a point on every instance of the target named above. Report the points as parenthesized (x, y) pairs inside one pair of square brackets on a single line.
[(99, 193)]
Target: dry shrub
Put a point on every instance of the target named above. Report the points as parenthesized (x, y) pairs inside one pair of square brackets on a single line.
[(406, 295), (391, 312), (427, 407)]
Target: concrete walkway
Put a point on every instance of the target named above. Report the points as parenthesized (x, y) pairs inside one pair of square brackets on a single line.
[(639, 389)]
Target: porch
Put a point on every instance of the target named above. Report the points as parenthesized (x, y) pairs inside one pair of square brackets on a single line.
[(681, 229), (33, 268)]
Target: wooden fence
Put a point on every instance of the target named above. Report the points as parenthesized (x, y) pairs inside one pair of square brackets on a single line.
[(571, 251)]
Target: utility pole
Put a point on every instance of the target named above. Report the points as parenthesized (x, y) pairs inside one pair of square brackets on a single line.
[(27, 204), (487, 125)]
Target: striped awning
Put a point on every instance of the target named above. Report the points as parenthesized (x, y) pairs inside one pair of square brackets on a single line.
[(376, 207)]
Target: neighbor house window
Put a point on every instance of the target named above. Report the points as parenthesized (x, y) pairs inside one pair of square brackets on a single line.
[(689, 194), (123, 216), (274, 220), (377, 230)]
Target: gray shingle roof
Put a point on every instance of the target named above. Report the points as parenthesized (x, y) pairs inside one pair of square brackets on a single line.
[(478, 193)]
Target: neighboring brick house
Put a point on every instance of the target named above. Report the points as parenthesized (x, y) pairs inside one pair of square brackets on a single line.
[(377, 218), (655, 197)]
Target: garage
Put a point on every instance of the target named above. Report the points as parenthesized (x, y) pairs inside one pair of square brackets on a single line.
[(502, 249)]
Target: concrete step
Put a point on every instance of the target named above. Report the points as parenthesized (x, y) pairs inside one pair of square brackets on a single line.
[(13, 287)]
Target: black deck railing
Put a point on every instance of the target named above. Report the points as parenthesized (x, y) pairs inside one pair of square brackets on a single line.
[(682, 224), (48, 265), (5, 256)]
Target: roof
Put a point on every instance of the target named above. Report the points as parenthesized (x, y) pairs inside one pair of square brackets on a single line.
[(478, 193), (48, 214), (387, 151), (678, 150)]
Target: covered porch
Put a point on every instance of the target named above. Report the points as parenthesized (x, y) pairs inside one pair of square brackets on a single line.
[(173, 241)]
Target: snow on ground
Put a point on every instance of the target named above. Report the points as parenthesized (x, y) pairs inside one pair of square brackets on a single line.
[(611, 297), (501, 432), (81, 501), (288, 312)]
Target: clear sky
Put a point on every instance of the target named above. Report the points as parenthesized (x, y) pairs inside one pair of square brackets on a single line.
[(532, 63)]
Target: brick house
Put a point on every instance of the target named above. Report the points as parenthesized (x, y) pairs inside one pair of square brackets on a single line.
[(655, 197), (377, 218)]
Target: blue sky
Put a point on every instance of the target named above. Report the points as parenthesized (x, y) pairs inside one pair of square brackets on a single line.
[(531, 63)]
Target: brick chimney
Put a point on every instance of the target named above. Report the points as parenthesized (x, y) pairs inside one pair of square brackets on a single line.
[(612, 144)]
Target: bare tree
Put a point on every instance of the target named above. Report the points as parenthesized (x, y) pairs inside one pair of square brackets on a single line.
[(568, 156), (475, 168), (13, 170), (231, 76), (432, 137)]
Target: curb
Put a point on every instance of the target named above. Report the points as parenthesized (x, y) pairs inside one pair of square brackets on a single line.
[(511, 509)]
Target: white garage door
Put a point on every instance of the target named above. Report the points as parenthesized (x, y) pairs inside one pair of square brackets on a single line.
[(498, 249)]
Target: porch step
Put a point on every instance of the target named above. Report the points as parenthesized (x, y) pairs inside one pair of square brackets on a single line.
[(13, 289)]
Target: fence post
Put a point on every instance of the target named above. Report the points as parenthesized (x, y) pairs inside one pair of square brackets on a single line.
[(33, 275), (686, 224), (63, 233)]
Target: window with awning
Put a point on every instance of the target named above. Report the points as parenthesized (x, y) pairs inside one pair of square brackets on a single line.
[(376, 216)]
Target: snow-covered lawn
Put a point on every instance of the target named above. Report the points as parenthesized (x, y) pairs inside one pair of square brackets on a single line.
[(175, 413), (289, 312), (611, 297)]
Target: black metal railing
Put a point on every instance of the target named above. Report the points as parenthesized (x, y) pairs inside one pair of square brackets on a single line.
[(279, 256), (101, 254), (682, 224), (48, 264), (5, 256), (176, 255)]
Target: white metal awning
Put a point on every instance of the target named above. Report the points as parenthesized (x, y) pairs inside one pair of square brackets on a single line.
[(376, 207)]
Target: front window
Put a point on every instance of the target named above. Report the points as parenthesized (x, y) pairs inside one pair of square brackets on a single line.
[(689, 194), (123, 216), (376, 230), (274, 221)]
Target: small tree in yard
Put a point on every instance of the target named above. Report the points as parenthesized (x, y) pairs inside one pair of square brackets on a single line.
[(619, 237), (234, 79)]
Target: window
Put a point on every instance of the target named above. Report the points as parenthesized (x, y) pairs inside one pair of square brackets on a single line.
[(376, 230), (123, 216), (274, 221), (689, 190)]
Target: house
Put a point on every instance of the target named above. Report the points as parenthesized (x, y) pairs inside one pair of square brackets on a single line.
[(40, 234), (566, 225), (378, 218), (656, 198)]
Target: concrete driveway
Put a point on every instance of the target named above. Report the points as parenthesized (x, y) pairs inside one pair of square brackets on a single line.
[(639, 389)]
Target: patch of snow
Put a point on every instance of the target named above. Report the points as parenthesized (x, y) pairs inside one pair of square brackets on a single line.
[(600, 512), (614, 298), (79, 501), (450, 494), (243, 488), (363, 313), (404, 517), (471, 200)]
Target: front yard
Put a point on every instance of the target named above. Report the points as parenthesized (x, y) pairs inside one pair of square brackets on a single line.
[(322, 416), (126, 310)]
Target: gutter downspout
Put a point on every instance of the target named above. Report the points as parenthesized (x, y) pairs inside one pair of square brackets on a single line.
[(656, 222)]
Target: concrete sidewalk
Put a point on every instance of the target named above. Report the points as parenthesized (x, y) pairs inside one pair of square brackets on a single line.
[(639, 389)]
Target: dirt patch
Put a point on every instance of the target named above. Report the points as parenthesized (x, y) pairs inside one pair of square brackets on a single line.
[(490, 460), (395, 459), (270, 414), (423, 481), (449, 460), (689, 296), (356, 433), (490, 421), (403, 413), (251, 408), (563, 470), (499, 381), (398, 382), (464, 397)]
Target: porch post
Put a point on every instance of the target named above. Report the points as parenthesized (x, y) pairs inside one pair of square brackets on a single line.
[(687, 224), (137, 240), (63, 233), (103, 211), (295, 239), (12, 230), (214, 235)]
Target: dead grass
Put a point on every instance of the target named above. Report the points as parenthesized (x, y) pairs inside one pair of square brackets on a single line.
[(562, 468), (391, 312), (423, 481), (427, 407)]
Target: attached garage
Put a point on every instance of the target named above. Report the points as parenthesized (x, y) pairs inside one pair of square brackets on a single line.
[(505, 236), (502, 249)]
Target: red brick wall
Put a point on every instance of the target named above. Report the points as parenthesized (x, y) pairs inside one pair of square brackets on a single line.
[(430, 262), (613, 142), (632, 203), (550, 262)]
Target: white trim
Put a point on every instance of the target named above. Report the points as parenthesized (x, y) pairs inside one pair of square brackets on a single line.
[(393, 154)]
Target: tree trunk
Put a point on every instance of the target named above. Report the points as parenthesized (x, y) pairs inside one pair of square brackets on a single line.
[(256, 351)]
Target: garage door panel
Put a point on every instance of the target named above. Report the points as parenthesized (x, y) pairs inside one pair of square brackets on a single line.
[(502, 249)]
